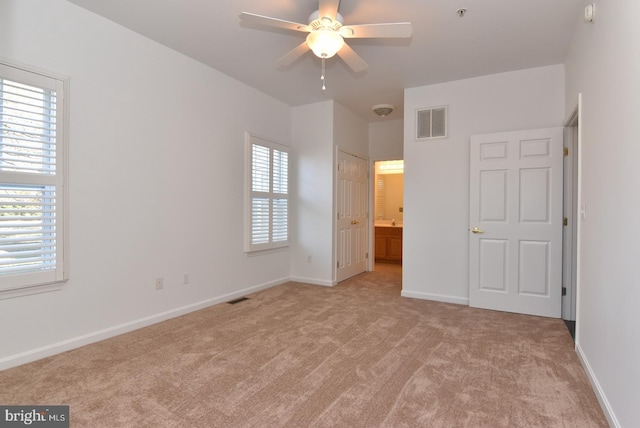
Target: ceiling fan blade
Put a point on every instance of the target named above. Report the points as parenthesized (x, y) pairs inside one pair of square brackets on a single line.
[(328, 8), (391, 30), (352, 59), (273, 22), (291, 56)]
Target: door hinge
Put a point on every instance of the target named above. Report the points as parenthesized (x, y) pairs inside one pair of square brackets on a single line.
[(338, 265), (564, 291), (366, 255), (566, 151), (565, 221)]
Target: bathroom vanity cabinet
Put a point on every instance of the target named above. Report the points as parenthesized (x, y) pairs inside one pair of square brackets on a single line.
[(388, 244)]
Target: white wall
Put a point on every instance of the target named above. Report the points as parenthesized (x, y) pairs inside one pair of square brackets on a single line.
[(155, 180), (436, 192), (317, 130), (312, 189), (604, 65), (350, 132), (386, 140)]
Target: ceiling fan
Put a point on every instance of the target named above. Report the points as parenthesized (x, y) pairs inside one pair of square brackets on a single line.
[(327, 33)]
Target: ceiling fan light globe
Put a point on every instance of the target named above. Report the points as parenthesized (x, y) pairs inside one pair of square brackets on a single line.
[(325, 43)]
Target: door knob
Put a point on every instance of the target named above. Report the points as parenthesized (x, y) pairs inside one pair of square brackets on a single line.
[(476, 230)]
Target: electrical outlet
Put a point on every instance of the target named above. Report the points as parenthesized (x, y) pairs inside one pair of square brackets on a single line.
[(159, 283), (308, 259), (185, 278)]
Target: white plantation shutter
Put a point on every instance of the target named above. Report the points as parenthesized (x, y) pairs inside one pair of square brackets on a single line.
[(280, 202), (260, 167), (259, 220), (268, 195), (280, 227), (260, 185), (31, 179)]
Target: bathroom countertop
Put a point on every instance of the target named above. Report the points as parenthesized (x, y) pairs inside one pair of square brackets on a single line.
[(388, 224)]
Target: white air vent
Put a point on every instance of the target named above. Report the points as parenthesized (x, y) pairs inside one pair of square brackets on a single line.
[(431, 123)]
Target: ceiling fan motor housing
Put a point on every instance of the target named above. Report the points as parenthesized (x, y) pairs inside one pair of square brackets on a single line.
[(324, 21)]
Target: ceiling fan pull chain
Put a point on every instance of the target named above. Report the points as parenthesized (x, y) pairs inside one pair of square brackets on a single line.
[(322, 77)]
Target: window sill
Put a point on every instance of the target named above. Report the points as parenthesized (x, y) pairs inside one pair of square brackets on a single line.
[(29, 290), (264, 251)]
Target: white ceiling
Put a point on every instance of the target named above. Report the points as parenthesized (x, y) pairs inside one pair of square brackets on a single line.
[(494, 36)]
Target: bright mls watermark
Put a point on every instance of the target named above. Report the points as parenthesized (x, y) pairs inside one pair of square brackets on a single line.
[(34, 416)]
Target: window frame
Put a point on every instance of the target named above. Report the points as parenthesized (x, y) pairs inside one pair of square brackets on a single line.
[(249, 246), (21, 284)]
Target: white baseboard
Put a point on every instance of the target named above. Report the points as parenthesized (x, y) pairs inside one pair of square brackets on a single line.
[(435, 297), (312, 281), (602, 398), (86, 339)]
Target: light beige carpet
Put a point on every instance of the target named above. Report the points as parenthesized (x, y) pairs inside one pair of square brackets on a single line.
[(356, 355)]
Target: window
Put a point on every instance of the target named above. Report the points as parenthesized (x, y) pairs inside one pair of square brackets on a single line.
[(267, 194), (31, 182)]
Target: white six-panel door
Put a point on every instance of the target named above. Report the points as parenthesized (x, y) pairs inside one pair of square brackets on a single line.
[(515, 231), (352, 216)]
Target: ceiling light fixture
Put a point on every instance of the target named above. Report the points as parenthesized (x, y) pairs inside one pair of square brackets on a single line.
[(324, 40), (326, 35), (383, 110), (325, 43)]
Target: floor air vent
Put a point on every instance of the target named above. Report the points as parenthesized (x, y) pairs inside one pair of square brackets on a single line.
[(241, 299)]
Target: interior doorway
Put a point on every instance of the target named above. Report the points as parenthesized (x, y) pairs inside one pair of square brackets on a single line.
[(570, 258), (388, 214)]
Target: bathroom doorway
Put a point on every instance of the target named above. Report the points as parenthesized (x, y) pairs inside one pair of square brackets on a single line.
[(388, 214)]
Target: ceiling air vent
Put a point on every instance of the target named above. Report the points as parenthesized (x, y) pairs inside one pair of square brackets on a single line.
[(431, 123)]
